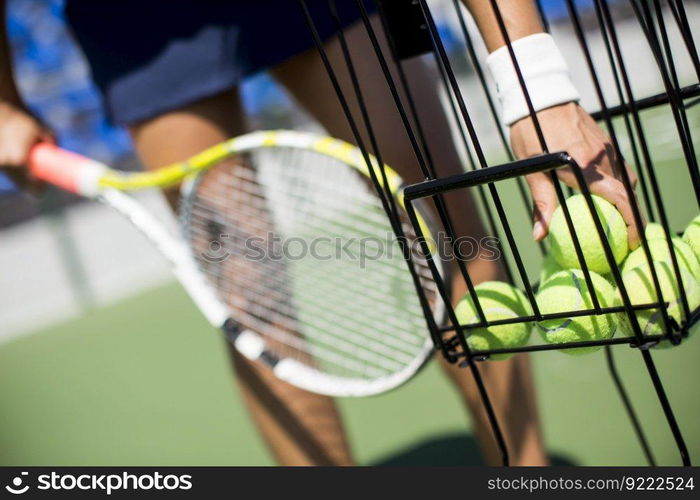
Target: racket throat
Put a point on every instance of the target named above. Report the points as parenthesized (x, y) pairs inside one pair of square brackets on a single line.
[(248, 343)]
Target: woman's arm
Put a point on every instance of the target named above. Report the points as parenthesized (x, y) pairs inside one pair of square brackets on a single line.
[(566, 126), (520, 17), (19, 129)]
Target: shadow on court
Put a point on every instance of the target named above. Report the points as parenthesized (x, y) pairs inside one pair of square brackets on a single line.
[(453, 450)]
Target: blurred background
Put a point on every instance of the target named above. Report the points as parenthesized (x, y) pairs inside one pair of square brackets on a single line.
[(104, 361)]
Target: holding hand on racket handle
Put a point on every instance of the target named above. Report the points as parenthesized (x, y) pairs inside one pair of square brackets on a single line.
[(19, 129)]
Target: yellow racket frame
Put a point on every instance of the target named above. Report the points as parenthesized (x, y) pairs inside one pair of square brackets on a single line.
[(345, 152)]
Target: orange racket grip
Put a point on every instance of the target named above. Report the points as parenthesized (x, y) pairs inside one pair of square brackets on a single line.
[(67, 170)]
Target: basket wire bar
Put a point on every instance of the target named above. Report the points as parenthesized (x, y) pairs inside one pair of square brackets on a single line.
[(493, 227), (605, 114), (681, 18), (646, 17), (478, 68), (427, 170), (603, 14), (612, 132), (392, 214), (657, 21), (627, 403), (454, 86)]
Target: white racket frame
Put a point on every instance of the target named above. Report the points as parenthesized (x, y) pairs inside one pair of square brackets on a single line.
[(247, 342)]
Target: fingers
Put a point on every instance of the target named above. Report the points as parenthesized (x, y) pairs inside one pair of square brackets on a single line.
[(610, 163), (544, 199), (15, 143), (19, 131), (614, 191), (47, 136), (569, 128), (602, 172), (14, 150)]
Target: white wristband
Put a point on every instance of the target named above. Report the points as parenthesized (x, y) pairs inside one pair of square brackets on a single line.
[(546, 74)]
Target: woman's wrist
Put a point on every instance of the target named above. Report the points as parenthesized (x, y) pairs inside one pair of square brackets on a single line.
[(544, 71)]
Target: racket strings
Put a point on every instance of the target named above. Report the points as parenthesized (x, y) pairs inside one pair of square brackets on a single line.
[(378, 290), (286, 315), (336, 315), (241, 236), (266, 291), (213, 225), (373, 220)]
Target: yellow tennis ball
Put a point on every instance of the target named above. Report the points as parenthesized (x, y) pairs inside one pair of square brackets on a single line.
[(498, 301), (692, 235), (614, 228), (550, 266), (654, 231), (660, 253), (640, 288), (567, 291)]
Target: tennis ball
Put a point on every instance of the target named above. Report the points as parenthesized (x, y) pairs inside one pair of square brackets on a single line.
[(498, 301), (692, 235), (549, 267), (659, 253), (563, 245), (654, 231), (640, 288), (567, 291)]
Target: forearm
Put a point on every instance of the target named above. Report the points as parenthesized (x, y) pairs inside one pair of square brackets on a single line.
[(8, 89), (19, 129), (520, 17), (541, 67)]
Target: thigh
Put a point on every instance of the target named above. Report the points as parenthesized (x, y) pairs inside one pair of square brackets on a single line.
[(306, 78), (182, 132)]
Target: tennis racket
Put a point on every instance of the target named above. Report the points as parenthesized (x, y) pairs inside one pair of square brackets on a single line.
[(286, 247)]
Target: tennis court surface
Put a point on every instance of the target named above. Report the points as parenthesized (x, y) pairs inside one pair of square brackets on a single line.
[(131, 385)]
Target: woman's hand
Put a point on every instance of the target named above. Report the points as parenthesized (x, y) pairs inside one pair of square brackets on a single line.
[(19, 131), (569, 128)]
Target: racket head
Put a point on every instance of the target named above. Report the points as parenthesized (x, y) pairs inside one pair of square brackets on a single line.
[(290, 232)]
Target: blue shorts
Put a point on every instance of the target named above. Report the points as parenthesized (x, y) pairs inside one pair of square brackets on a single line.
[(152, 56)]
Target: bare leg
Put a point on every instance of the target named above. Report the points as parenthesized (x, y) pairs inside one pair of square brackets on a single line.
[(509, 383), (300, 428)]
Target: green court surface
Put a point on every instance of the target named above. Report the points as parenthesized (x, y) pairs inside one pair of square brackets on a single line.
[(147, 382)]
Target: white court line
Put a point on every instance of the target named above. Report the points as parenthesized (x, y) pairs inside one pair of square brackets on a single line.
[(35, 289)]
